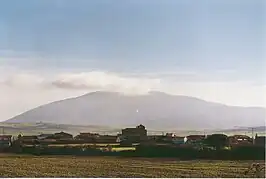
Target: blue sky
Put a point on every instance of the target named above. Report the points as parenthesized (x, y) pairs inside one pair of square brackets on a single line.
[(132, 35), (219, 40)]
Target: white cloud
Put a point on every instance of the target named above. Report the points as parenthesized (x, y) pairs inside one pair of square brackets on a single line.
[(83, 81), (105, 81), (23, 80)]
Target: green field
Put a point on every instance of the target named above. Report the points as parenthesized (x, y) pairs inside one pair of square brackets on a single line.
[(67, 166)]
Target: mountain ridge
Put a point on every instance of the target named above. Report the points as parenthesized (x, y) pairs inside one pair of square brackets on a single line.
[(156, 109)]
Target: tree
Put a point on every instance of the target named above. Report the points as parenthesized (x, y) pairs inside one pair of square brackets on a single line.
[(217, 140)]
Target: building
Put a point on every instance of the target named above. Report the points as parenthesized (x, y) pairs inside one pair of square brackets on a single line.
[(260, 140), (87, 136), (137, 131), (240, 140), (195, 139), (61, 136), (156, 138), (170, 135), (179, 140), (28, 139), (108, 139), (136, 134), (173, 139), (5, 141), (5, 137), (44, 136)]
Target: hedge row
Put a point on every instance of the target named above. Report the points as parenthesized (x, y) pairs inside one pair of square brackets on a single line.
[(239, 153)]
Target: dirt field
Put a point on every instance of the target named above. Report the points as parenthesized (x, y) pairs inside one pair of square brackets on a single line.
[(67, 166)]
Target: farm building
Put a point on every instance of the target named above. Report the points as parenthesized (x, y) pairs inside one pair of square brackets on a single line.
[(136, 134)]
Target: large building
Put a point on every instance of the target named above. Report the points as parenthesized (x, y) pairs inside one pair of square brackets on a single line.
[(136, 134)]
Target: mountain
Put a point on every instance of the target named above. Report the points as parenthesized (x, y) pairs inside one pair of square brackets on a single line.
[(156, 110), (48, 128)]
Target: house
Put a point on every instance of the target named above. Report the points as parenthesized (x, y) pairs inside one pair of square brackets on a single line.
[(173, 139), (119, 139), (170, 135), (239, 140), (137, 131), (44, 136), (194, 139), (5, 137), (61, 136), (260, 140), (156, 138), (179, 140), (5, 141), (28, 139), (153, 139), (107, 139), (136, 134), (89, 137)]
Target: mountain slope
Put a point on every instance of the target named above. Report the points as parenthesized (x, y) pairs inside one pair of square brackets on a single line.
[(156, 110)]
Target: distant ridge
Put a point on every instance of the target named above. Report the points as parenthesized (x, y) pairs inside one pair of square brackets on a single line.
[(156, 110)]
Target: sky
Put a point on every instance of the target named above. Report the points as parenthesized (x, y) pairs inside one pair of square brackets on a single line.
[(56, 49)]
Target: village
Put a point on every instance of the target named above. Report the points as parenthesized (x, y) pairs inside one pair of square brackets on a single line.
[(130, 137)]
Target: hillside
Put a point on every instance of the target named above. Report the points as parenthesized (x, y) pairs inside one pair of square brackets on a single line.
[(156, 110)]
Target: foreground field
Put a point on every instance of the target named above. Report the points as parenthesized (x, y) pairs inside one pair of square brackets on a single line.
[(66, 166)]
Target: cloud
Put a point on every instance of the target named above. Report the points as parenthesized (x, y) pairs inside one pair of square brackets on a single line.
[(23, 80), (105, 81), (94, 80)]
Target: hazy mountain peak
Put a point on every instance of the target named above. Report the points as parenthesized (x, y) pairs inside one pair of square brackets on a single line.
[(161, 112), (157, 93), (101, 93)]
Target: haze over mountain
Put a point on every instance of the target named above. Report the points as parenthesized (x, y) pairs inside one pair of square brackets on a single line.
[(155, 110)]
